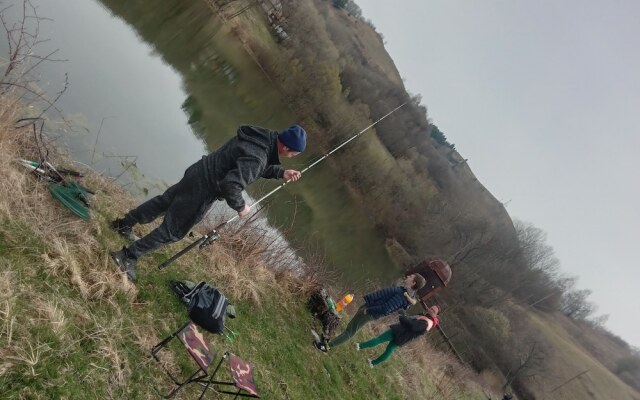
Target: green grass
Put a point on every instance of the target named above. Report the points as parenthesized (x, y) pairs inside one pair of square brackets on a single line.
[(72, 327), (99, 353)]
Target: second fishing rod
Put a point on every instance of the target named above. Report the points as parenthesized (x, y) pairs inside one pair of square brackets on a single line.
[(213, 235)]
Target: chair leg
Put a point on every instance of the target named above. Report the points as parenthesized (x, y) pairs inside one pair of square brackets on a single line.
[(206, 387), (183, 384), (180, 385), (154, 353), (166, 340), (210, 382)]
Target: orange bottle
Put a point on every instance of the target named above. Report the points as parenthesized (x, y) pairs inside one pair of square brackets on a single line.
[(343, 302)]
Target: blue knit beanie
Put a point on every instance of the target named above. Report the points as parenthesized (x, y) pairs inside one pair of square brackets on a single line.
[(294, 137)]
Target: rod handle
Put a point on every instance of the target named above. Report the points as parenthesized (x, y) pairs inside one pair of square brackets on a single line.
[(181, 252)]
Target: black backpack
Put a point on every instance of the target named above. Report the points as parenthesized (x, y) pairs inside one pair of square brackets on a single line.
[(207, 305)]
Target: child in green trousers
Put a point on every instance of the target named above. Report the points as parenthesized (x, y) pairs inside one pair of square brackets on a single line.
[(407, 329)]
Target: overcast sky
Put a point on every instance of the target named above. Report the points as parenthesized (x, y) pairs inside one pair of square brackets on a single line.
[(543, 98)]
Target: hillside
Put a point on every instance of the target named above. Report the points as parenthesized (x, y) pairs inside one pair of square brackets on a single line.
[(369, 73), (360, 43), (567, 360), (477, 234)]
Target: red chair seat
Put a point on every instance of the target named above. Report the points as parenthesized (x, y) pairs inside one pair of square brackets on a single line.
[(197, 345), (242, 375)]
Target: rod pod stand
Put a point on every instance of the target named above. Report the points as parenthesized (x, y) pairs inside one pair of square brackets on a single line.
[(213, 235)]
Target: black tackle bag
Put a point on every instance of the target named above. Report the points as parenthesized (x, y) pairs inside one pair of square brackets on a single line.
[(207, 305)]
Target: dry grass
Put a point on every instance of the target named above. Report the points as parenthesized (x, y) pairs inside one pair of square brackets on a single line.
[(62, 299), (248, 262), (7, 303), (50, 312), (567, 360), (447, 378), (70, 243), (433, 374), (30, 221), (87, 267)]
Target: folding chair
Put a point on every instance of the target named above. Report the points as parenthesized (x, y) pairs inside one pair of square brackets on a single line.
[(200, 350), (241, 377)]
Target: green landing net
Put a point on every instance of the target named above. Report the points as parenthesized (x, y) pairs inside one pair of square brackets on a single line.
[(72, 196)]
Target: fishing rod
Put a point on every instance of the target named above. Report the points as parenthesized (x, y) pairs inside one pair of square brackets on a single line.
[(213, 235)]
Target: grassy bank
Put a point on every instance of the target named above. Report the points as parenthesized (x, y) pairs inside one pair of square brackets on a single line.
[(71, 326)]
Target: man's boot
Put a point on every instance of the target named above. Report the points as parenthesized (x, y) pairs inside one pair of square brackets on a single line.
[(125, 230), (125, 263)]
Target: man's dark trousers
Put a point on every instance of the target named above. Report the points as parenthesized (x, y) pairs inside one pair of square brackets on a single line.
[(184, 205)]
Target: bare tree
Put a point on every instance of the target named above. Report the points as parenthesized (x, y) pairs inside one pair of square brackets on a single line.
[(575, 304), (529, 364), (23, 37), (536, 252), (471, 234)]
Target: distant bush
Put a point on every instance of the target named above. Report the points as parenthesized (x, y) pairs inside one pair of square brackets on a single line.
[(628, 369), (490, 327), (340, 3)]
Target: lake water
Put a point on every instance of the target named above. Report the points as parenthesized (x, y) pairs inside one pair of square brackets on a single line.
[(158, 85)]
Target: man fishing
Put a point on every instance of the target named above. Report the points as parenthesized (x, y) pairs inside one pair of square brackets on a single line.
[(222, 175)]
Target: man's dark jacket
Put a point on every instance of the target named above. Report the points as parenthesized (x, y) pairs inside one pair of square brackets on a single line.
[(408, 329), (252, 154)]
